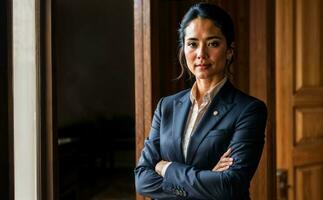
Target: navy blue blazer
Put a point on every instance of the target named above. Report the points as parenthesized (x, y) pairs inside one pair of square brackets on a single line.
[(233, 119)]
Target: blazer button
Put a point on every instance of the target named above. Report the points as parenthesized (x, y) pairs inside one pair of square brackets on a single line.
[(180, 193)]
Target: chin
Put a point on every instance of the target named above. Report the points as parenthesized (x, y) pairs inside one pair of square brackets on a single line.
[(202, 77), (205, 76)]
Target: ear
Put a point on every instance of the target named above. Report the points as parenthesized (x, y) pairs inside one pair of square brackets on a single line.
[(230, 53)]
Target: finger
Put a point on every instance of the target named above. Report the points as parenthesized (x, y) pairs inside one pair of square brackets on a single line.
[(225, 168), (227, 153), (224, 164), (216, 168), (159, 166), (221, 164), (220, 169), (226, 159)]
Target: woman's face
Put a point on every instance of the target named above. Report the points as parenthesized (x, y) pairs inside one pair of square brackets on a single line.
[(206, 50)]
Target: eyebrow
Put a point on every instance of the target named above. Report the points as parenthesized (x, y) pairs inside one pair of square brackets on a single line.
[(208, 38)]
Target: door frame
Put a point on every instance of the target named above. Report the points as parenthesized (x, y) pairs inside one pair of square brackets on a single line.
[(47, 140), (262, 85), (262, 73)]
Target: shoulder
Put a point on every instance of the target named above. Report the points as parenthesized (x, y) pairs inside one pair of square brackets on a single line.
[(232, 95), (248, 111), (248, 105), (244, 100), (179, 96), (165, 104)]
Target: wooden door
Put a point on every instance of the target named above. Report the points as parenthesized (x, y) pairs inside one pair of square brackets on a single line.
[(299, 82)]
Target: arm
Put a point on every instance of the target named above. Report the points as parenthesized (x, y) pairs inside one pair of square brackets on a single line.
[(147, 181), (247, 144), (224, 163)]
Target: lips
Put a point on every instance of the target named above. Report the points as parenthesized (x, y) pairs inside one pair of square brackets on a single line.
[(203, 65)]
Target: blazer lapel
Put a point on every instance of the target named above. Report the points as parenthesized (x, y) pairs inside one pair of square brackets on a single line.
[(181, 110), (219, 107)]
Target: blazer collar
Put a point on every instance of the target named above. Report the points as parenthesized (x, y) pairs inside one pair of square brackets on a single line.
[(221, 103), (181, 109)]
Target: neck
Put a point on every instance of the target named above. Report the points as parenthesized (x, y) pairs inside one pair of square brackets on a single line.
[(204, 85)]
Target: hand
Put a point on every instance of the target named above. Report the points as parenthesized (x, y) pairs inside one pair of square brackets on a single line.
[(159, 166), (224, 163)]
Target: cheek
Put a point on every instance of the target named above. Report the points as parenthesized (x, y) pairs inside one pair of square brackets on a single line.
[(189, 56), (189, 61), (218, 56)]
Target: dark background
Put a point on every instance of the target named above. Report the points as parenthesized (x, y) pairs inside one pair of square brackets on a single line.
[(93, 60)]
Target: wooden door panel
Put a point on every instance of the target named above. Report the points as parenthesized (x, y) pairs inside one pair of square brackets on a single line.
[(308, 25), (308, 124), (308, 182), (308, 154)]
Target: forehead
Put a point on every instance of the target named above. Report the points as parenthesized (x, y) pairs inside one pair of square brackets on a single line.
[(199, 28)]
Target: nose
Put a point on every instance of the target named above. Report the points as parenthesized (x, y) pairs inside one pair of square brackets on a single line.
[(202, 52)]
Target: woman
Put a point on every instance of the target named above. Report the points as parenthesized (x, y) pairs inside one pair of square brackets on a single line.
[(205, 142)]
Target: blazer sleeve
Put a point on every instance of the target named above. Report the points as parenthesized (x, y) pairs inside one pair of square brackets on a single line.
[(247, 145), (147, 181)]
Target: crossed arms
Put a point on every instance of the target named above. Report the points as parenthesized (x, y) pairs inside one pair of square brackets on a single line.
[(189, 182)]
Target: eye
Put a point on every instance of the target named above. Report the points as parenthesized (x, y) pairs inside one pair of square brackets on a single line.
[(213, 44), (192, 44)]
